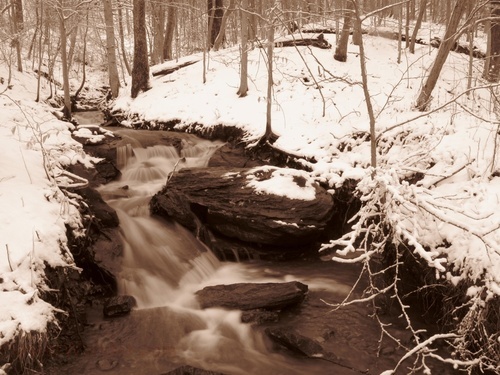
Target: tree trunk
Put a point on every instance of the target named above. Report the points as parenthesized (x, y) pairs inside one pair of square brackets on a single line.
[(40, 52), (270, 46), (72, 44), (158, 16), (242, 91), (341, 49), (122, 38), (16, 39), (64, 61), (169, 32), (18, 6), (494, 68), (366, 92), (220, 37), (400, 31), (215, 14), (407, 25), (84, 56), (357, 32), (444, 49), (486, 67), (418, 23), (114, 79), (252, 32), (140, 70)]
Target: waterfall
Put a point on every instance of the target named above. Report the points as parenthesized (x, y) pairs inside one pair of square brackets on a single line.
[(163, 265)]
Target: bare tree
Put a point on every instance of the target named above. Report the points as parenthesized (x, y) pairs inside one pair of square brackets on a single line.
[(158, 31), (449, 39), (215, 14), (114, 80), (122, 37), (242, 91), (269, 134), (16, 16), (169, 31), (341, 49), (140, 70), (418, 23), (493, 74), (364, 77), (61, 9), (220, 37)]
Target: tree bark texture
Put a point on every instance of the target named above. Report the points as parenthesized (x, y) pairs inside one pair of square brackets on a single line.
[(140, 70), (444, 49)]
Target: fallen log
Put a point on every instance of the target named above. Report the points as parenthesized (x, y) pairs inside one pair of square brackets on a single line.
[(170, 68), (295, 40)]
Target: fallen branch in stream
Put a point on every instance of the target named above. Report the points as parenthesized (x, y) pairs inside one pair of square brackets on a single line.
[(170, 175)]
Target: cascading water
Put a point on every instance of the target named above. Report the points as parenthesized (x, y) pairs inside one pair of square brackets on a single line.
[(163, 266), (157, 255)]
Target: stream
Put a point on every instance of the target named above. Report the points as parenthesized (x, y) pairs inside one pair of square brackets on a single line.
[(163, 266)]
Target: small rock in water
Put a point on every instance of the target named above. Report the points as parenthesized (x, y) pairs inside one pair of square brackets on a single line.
[(297, 343), (118, 306), (106, 364)]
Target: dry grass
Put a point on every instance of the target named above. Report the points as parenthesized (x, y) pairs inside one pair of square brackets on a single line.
[(25, 352)]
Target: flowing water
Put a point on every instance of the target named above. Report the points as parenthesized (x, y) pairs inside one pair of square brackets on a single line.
[(164, 265)]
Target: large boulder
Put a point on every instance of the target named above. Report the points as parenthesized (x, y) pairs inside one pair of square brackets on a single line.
[(267, 206), (252, 296)]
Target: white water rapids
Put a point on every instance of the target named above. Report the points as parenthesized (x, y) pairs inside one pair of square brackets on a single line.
[(163, 265)]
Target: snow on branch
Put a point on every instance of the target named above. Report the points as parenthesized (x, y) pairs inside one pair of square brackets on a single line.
[(445, 234)]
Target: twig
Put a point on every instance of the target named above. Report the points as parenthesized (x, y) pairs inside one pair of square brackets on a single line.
[(425, 114), (173, 170), (422, 346), (8, 257)]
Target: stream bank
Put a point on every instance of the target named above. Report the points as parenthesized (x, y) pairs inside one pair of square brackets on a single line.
[(314, 315)]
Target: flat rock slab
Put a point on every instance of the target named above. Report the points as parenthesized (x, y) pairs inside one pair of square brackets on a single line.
[(263, 205), (252, 296)]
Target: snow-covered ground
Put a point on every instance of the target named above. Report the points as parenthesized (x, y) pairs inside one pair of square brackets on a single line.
[(34, 212), (319, 113), (451, 216)]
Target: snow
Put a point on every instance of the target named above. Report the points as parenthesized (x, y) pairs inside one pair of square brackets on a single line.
[(319, 113), (34, 212), (290, 183)]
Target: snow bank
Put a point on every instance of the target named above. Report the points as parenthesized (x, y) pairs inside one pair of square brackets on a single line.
[(34, 211)]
